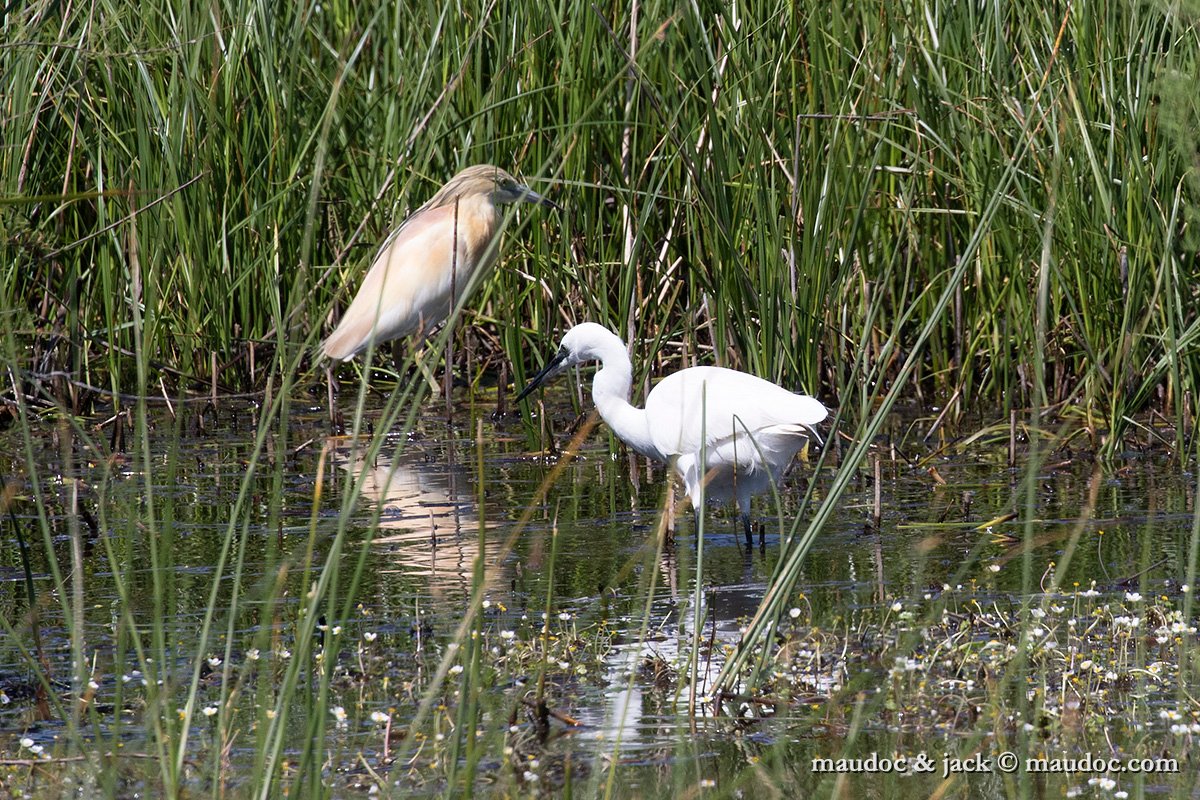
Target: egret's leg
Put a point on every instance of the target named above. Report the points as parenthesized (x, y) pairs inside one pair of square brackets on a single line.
[(749, 534)]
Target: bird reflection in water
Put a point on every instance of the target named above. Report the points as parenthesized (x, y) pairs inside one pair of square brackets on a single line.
[(428, 520)]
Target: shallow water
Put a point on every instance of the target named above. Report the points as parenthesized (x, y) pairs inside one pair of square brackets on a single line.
[(429, 502)]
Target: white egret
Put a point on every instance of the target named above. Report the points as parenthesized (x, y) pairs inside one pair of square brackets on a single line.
[(746, 429), (424, 267)]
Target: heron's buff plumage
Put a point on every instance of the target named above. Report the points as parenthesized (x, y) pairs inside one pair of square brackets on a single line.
[(423, 269)]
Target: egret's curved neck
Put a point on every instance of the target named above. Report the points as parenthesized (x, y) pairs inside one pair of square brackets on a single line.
[(610, 391)]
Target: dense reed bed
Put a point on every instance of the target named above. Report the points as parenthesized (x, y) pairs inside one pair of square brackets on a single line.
[(786, 190), (988, 211)]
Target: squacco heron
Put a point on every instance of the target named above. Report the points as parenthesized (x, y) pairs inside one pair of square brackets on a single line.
[(425, 266), (729, 432)]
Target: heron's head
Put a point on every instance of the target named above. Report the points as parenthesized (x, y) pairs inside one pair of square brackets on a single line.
[(484, 179)]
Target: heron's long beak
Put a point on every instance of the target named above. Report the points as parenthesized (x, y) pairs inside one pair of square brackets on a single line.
[(530, 196), (548, 371)]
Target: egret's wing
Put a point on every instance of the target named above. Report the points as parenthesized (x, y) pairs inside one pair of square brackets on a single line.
[(408, 284), (732, 405)]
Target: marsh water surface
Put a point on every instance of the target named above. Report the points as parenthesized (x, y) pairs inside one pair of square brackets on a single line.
[(960, 541)]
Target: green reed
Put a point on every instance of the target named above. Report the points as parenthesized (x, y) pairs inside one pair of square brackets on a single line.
[(738, 185)]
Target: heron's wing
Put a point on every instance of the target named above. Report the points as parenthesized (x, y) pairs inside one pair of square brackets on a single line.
[(409, 283)]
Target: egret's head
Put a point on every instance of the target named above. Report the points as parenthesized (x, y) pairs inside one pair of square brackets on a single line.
[(587, 341), (484, 179)]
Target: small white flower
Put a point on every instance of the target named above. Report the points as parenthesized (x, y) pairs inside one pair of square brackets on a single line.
[(564, 616), (379, 717), (370, 636), (993, 567), (93, 685), (897, 606), (456, 669), (26, 742), (214, 661), (508, 635), (487, 604), (1133, 597), (794, 612), (339, 713), (210, 711), (1037, 613), (253, 654)]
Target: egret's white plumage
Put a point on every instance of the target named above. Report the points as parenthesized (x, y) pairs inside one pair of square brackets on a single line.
[(747, 428), (427, 264)]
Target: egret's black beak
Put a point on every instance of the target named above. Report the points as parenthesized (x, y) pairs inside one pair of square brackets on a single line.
[(548, 371)]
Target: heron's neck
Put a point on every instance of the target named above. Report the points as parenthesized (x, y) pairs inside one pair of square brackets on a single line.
[(610, 391)]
